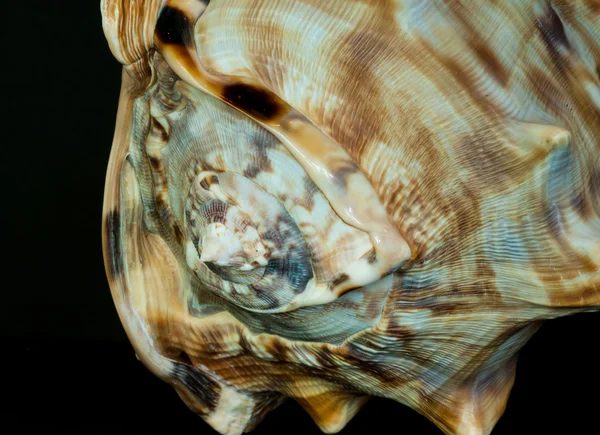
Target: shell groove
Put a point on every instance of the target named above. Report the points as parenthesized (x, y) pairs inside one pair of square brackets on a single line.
[(334, 200)]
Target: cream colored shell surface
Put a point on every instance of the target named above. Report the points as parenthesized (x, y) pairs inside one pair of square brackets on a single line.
[(331, 200)]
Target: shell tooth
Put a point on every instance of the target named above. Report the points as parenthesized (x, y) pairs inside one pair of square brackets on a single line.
[(533, 137), (331, 411), (225, 409), (476, 406)]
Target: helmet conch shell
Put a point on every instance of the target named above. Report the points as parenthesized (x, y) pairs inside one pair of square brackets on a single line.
[(329, 201)]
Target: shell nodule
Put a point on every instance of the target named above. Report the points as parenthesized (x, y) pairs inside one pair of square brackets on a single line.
[(334, 200)]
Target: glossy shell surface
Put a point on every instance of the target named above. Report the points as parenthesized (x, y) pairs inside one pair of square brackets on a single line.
[(332, 200)]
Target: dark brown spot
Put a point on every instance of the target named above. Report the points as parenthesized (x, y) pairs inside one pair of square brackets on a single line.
[(155, 163), (244, 343), (113, 235), (552, 29), (178, 355), (174, 27), (261, 162), (178, 235), (259, 103), (252, 172), (594, 6), (344, 171), (553, 34), (204, 389), (214, 179), (342, 278), (491, 62), (371, 256), (159, 131), (582, 205), (402, 332), (277, 349), (184, 358)]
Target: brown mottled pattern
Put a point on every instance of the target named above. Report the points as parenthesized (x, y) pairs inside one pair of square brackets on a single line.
[(480, 152), (478, 125), (114, 251)]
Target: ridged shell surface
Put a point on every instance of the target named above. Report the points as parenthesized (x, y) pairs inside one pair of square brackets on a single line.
[(332, 200)]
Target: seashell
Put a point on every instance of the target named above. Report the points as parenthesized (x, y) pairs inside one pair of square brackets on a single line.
[(328, 201)]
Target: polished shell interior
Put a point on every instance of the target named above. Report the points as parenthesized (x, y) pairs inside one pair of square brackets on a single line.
[(328, 201)]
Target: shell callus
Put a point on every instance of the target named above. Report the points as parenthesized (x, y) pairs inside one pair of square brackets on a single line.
[(329, 201)]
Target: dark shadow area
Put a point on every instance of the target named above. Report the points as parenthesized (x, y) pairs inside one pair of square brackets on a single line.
[(61, 89), (100, 387)]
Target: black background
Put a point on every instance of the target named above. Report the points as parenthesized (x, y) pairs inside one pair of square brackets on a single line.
[(64, 358)]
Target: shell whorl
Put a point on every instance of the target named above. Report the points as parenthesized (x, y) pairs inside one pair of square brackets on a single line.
[(252, 226), (326, 162), (246, 236), (471, 131)]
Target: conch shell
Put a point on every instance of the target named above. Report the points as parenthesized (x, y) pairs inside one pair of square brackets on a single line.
[(331, 200)]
